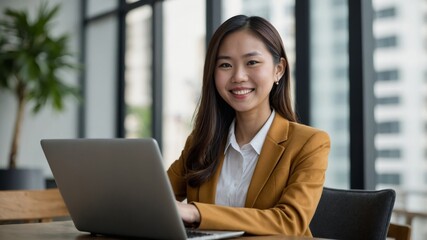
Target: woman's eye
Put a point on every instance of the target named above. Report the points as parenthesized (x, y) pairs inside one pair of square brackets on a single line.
[(252, 62), (224, 65)]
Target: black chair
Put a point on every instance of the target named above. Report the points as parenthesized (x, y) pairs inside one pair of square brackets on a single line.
[(353, 214)]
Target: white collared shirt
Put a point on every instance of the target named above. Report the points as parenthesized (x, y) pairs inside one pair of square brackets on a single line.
[(238, 167)]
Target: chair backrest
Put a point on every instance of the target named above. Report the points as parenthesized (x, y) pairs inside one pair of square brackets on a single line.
[(399, 231), (353, 214), (31, 205)]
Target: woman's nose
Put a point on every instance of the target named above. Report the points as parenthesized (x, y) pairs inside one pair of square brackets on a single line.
[(239, 75)]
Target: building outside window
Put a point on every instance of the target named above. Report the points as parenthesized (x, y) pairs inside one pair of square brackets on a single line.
[(329, 91), (400, 110), (388, 41)]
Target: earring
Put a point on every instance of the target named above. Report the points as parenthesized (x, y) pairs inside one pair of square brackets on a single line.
[(277, 82)]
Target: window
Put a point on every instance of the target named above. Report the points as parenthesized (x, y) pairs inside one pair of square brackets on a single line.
[(388, 75), (340, 24), (100, 72), (391, 100), (138, 73), (389, 153), (341, 98), (184, 54), (329, 88), (400, 91), (341, 124), (255, 7), (388, 127), (386, 13), (340, 48), (389, 178), (339, 3), (95, 7), (386, 42), (340, 73)]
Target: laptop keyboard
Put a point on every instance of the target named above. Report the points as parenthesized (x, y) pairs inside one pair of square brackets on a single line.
[(191, 233)]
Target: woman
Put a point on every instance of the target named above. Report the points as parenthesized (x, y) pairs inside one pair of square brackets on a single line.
[(248, 165)]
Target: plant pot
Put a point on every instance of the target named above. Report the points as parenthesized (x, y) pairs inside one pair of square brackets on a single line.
[(21, 179)]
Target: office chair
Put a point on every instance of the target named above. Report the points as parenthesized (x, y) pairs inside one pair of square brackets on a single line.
[(22, 206), (353, 214)]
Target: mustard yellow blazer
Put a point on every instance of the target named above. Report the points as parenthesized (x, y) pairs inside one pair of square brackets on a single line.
[(284, 191)]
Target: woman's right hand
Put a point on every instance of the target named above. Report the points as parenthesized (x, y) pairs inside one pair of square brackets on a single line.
[(189, 213)]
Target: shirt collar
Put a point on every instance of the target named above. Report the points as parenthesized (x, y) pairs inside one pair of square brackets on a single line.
[(256, 142), (231, 139)]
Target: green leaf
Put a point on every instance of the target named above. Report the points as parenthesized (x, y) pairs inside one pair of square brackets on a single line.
[(31, 56)]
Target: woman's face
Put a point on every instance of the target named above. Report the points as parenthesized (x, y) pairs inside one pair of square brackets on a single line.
[(245, 72)]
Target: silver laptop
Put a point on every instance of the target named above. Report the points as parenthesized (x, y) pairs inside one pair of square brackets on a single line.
[(118, 187)]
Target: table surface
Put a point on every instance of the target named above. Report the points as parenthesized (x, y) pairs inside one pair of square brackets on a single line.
[(60, 230)]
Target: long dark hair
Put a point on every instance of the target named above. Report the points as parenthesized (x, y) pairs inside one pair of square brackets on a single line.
[(214, 115)]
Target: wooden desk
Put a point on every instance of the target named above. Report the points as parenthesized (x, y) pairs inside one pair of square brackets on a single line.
[(65, 230)]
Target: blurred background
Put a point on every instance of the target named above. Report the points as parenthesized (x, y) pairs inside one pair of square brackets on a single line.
[(359, 72)]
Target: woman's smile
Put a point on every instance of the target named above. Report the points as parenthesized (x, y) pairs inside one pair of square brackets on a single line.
[(241, 91)]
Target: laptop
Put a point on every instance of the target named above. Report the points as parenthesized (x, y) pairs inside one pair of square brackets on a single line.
[(118, 187)]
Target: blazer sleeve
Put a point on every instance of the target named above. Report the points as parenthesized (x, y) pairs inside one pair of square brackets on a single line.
[(176, 174), (287, 202)]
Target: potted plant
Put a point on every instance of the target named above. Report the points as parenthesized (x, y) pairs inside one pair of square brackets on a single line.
[(31, 61)]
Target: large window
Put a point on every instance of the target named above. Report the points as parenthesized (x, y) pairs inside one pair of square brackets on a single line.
[(400, 111), (184, 52), (138, 74), (100, 71), (329, 89)]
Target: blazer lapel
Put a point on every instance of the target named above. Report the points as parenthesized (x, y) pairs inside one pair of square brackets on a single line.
[(269, 156)]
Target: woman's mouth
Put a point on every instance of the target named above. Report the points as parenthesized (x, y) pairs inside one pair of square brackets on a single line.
[(242, 91)]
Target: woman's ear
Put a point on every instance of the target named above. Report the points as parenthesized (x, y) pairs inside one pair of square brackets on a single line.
[(280, 68)]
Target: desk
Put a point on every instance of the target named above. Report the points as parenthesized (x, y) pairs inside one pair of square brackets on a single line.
[(64, 230)]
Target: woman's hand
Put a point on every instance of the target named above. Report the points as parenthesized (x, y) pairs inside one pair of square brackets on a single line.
[(189, 213)]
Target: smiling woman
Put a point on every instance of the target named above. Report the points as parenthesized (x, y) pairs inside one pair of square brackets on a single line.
[(248, 165)]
